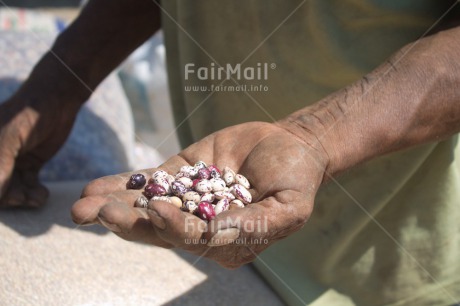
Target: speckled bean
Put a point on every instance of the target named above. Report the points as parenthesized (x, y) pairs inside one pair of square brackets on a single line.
[(200, 165), (178, 189), (141, 202), (161, 198), (208, 197), (217, 184), (241, 193), (159, 174), (205, 211), (236, 204), (228, 176), (163, 183), (190, 206), (224, 194), (242, 180), (215, 172), (152, 190), (187, 182), (204, 174), (181, 174), (222, 205), (203, 186), (191, 196), (190, 170)]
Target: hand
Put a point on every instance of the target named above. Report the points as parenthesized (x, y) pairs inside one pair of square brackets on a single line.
[(285, 173), (31, 132)]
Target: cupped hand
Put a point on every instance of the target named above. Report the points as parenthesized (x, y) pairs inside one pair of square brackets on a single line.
[(31, 132), (284, 171)]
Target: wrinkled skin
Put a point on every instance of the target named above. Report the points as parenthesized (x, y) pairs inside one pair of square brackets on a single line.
[(285, 173), (28, 139)]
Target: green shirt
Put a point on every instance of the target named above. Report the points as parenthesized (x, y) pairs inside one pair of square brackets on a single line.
[(390, 233)]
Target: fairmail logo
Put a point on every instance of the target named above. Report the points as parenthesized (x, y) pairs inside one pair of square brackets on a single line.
[(229, 71)]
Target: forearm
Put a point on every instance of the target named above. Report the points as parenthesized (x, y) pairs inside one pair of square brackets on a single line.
[(104, 34), (411, 99)]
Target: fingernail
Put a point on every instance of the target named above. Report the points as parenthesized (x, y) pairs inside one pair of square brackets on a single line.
[(224, 237), (156, 219), (110, 226)]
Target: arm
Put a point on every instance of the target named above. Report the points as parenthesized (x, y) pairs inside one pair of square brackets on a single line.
[(103, 35), (411, 99), (82, 56)]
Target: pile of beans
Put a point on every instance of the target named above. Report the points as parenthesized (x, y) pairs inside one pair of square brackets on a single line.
[(203, 190)]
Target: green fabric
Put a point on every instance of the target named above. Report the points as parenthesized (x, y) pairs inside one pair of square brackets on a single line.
[(341, 257)]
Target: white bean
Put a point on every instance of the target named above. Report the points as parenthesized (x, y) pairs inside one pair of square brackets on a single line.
[(221, 206), (242, 180), (241, 193), (217, 184), (141, 202)]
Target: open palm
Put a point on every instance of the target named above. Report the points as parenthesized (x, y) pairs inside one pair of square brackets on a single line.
[(285, 173)]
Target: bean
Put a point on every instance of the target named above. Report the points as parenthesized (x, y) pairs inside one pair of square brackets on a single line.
[(190, 170), (215, 172), (161, 198), (136, 181), (208, 197), (224, 194), (191, 196), (217, 184), (200, 165), (204, 174), (162, 182), (228, 176), (205, 211), (141, 201), (222, 206), (236, 204), (152, 190), (190, 206), (242, 180), (159, 174), (178, 189), (187, 182), (241, 193), (203, 186), (176, 201)]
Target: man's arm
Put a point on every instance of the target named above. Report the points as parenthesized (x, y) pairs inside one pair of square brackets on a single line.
[(411, 99), (36, 120), (103, 35)]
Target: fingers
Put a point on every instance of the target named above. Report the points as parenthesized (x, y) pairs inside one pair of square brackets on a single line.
[(13, 197), (267, 221), (130, 223), (24, 191), (176, 227), (86, 210), (117, 213)]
